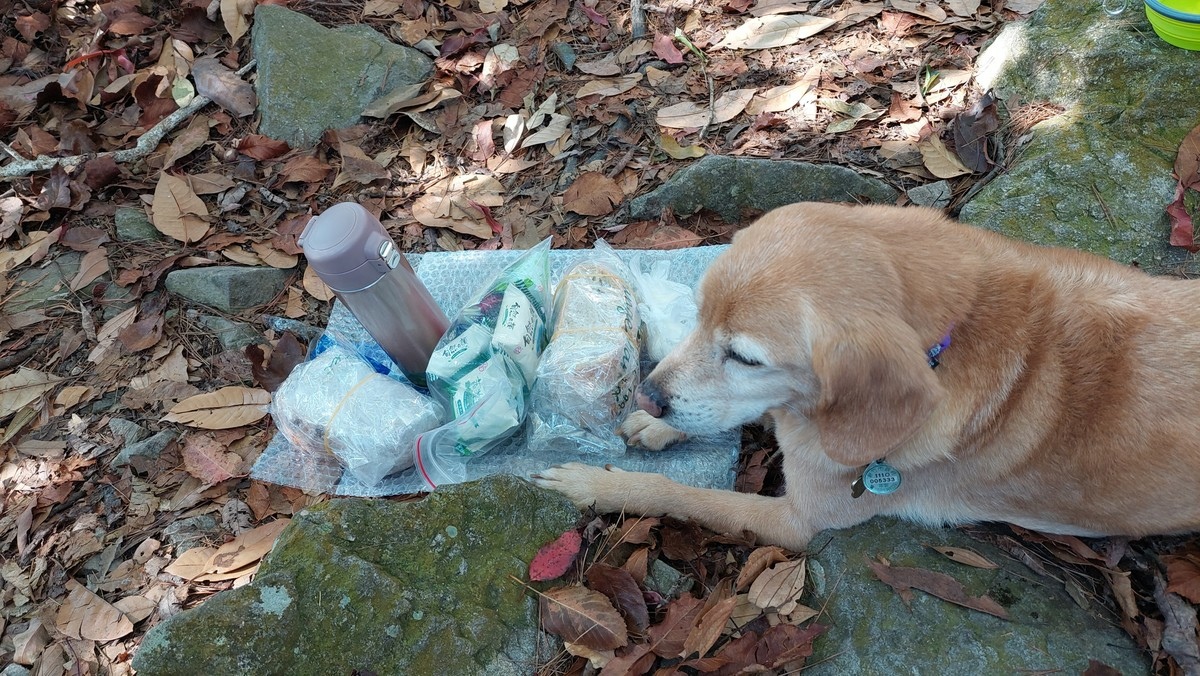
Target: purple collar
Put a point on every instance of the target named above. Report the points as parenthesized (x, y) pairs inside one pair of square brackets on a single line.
[(932, 354)]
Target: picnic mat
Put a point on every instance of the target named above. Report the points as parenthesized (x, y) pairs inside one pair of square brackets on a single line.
[(453, 278)]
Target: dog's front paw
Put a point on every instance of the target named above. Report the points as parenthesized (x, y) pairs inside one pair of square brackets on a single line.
[(642, 429), (605, 488)]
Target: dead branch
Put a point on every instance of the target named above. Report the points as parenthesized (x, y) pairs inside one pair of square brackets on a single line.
[(147, 142)]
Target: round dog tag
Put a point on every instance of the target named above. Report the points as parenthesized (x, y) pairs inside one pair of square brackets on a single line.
[(881, 478)]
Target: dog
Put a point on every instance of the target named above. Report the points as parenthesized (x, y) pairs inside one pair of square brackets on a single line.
[(918, 367)]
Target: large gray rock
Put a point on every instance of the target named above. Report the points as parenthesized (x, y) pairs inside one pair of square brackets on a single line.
[(1098, 176), (47, 285), (232, 335), (731, 186), (230, 288), (380, 587), (311, 78), (872, 632)]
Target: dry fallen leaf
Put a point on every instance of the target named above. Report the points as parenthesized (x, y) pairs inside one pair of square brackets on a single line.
[(22, 388), (87, 616), (244, 550), (689, 114), (939, 160), (775, 30), (580, 615), (608, 87), (903, 580), (357, 167), (223, 86), (671, 147), (315, 287), (93, 265), (192, 563), (178, 211), (929, 10), (779, 586), (592, 194), (711, 624), (233, 15), (226, 408), (447, 204), (785, 97), (757, 562), (209, 460), (967, 557)]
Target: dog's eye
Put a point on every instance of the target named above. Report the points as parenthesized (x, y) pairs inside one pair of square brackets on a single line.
[(742, 359)]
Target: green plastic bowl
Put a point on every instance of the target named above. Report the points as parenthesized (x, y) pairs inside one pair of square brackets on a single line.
[(1176, 21)]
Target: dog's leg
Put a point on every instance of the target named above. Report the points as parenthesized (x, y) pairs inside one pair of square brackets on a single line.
[(610, 489), (642, 429)]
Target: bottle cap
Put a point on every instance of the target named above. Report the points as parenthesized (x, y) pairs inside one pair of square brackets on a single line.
[(348, 247)]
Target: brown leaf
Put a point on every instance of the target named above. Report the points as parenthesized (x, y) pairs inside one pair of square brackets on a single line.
[(711, 623), (967, 557), (971, 130), (1183, 576), (1097, 668), (1187, 161), (448, 204), (82, 238), (1183, 230), (667, 637), (637, 564), (638, 530), (209, 460), (938, 584), (124, 19), (226, 408), (233, 15), (631, 663), (188, 141), (142, 334), (939, 160), (288, 352), (779, 586), (592, 194), (785, 643), (262, 147), (244, 550), (32, 24), (87, 616), (93, 265), (100, 172), (775, 31), (665, 49), (357, 167), (224, 86), (306, 169), (178, 211), (620, 588), (689, 114), (757, 562), (192, 563), (582, 616)]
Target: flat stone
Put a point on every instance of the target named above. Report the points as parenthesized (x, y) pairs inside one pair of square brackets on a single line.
[(733, 186), (380, 587), (147, 449), (665, 580), (134, 226), (872, 631), (303, 331), (232, 335), (230, 288), (14, 670), (936, 195), (47, 285), (1098, 176), (128, 430), (312, 78)]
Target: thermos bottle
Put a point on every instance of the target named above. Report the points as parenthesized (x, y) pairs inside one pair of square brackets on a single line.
[(352, 253)]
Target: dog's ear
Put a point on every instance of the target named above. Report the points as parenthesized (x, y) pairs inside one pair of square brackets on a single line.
[(877, 389)]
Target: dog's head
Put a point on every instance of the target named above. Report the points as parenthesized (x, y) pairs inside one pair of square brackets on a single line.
[(794, 321)]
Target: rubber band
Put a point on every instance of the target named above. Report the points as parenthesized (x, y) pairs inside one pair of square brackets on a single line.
[(338, 409)]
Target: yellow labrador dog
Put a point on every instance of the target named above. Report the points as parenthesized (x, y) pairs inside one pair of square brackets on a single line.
[(920, 368)]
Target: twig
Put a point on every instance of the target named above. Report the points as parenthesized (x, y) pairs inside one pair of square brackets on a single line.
[(147, 142), (637, 19)]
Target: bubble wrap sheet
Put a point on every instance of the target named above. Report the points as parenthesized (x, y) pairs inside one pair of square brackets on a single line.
[(452, 277)]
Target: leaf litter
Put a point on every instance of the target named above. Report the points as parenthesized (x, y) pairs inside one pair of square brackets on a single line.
[(611, 117)]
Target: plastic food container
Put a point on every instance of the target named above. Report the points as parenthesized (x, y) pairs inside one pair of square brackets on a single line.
[(1177, 22)]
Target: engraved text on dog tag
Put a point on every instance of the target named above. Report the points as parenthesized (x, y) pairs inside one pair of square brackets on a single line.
[(881, 478)]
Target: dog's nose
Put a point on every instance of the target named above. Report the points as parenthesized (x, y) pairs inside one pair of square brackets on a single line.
[(650, 399)]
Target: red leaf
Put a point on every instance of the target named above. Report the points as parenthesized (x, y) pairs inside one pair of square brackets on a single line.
[(665, 49), (1183, 576), (786, 643), (262, 147), (555, 559), (1182, 232), (595, 16)]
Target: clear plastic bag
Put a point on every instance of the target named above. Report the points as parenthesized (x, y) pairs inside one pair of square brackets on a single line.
[(589, 371), (668, 308), (340, 404), (483, 368)]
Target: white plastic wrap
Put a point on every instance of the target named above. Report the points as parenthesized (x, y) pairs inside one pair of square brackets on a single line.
[(668, 308), (338, 404), (483, 368), (589, 371)]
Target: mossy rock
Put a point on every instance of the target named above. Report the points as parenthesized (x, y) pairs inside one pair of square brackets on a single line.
[(380, 587), (874, 632), (1099, 176)]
